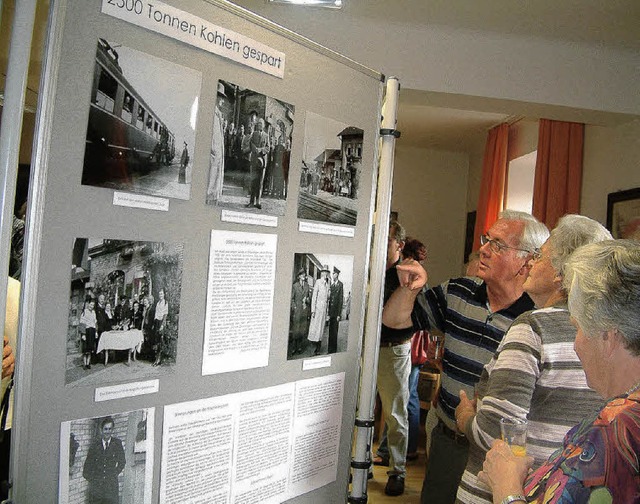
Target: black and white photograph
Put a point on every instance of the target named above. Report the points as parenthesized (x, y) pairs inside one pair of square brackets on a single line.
[(320, 305), (331, 171), (124, 310), (250, 151), (142, 122), (107, 459)]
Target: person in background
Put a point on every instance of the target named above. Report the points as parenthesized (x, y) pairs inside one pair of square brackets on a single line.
[(535, 374), (336, 298), (473, 313), (300, 300), (598, 459), (136, 316), (319, 305), (184, 161), (17, 247), (147, 327), (88, 322), (259, 144), (109, 321), (216, 162), (161, 312), (102, 324), (394, 369), (120, 312), (8, 362), (415, 250), (245, 156)]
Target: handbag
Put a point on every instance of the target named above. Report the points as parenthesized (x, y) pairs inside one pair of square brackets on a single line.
[(419, 343)]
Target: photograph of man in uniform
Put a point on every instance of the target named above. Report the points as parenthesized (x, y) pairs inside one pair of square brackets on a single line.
[(336, 298), (105, 461), (318, 323), (250, 162), (300, 300)]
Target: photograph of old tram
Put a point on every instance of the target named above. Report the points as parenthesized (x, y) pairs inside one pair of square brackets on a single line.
[(141, 126)]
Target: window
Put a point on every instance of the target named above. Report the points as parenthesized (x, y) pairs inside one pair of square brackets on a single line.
[(140, 121), (127, 107), (520, 183), (107, 88)]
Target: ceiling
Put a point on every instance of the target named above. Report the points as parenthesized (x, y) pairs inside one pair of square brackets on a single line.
[(435, 120), (603, 22), (457, 123)]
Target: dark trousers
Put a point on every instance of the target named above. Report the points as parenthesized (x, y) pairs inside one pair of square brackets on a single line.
[(445, 465), (5, 449), (333, 335), (257, 177)]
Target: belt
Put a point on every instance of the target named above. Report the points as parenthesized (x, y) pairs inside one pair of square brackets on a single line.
[(394, 343), (458, 437)]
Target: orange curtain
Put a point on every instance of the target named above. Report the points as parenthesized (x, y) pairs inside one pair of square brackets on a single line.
[(492, 185), (558, 178)]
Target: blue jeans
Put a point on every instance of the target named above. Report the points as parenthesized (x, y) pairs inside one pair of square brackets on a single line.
[(394, 368), (413, 412)]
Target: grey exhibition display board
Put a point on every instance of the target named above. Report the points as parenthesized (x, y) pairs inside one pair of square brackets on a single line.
[(176, 202)]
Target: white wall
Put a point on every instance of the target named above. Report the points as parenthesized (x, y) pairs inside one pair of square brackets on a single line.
[(611, 163), (475, 63), (430, 197)]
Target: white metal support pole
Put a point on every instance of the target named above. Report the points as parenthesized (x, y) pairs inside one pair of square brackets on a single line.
[(367, 394), (12, 114)]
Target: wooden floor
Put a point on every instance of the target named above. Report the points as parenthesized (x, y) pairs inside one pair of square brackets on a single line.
[(412, 484)]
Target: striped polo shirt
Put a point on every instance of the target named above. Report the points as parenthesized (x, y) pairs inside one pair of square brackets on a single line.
[(459, 309), (535, 374)]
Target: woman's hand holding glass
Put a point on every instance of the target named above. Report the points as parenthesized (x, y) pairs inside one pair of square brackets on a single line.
[(504, 471)]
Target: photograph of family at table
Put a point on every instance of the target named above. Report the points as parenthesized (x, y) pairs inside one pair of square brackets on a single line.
[(124, 307)]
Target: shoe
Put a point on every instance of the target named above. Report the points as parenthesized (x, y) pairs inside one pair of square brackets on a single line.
[(248, 205), (381, 461), (258, 206), (88, 366), (395, 485)]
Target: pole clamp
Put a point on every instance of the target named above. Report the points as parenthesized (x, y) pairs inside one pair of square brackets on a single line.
[(390, 132)]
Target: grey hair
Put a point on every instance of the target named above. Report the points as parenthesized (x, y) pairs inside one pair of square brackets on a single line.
[(399, 232), (534, 233), (571, 232), (603, 280)]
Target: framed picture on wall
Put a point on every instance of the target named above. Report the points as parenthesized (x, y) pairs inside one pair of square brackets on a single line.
[(623, 213)]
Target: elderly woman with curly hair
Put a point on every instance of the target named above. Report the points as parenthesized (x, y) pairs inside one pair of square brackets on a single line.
[(535, 373), (598, 460)]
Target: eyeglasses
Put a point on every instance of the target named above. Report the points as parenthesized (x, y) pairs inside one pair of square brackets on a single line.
[(536, 255), (496, 246)]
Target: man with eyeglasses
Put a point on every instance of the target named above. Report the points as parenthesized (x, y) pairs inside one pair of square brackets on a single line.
[(474, 314)]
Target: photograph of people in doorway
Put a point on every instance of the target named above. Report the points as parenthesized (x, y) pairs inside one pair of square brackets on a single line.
[(250, 151), (107, 459), (320, 299), (330, 172), (142, 120), (124, 310)]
